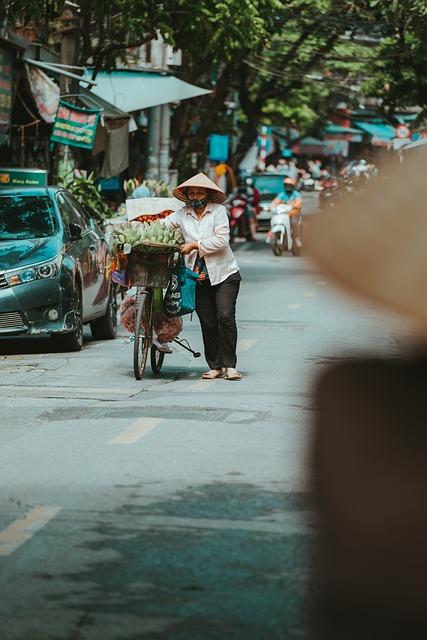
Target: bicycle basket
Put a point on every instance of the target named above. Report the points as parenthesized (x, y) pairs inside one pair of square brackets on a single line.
[(150, 269)]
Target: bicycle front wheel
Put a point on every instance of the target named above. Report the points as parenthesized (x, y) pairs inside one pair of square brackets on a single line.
[(143, 330)]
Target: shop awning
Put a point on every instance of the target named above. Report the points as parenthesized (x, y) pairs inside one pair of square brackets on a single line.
[(337, 129), (112, 132), (57, 69), (381, 131), (45, 92), (133, 90), (337, 132), (417, 144), (91, 101), (407, 118), (310, 146)]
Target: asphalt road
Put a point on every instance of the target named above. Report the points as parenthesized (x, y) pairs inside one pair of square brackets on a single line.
[(174, 507)]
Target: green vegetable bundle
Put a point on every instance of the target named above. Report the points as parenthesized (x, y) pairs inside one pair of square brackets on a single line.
[(148, 237)]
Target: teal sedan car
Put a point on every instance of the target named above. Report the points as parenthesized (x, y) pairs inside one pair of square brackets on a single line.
[(53, 268)]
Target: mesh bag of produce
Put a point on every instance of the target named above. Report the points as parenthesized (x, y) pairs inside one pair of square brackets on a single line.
[(128, 311), (167, 329)]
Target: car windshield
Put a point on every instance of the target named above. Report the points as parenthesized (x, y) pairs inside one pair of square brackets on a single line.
[(26, 217), (268, 184)]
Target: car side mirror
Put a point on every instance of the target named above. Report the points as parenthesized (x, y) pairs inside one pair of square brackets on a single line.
[(75, 231)]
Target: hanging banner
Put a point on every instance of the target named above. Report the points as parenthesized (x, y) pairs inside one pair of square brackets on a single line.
[(45, 92), (75, 126), (5, 96)]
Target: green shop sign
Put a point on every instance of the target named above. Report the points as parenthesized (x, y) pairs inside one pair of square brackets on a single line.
[(75, 126), (5, 96), (23, 178)]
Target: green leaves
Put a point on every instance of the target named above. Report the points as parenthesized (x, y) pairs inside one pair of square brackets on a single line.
[(277, 59), (88, 193)]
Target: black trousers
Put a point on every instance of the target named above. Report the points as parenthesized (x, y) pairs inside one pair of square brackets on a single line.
[(216, 309)]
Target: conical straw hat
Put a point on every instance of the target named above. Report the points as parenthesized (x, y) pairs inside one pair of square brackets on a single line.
[(375, 245), (200, 180)]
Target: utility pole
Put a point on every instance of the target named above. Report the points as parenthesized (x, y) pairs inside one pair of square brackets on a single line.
[(154, 126), (67, 86), (164, 146)]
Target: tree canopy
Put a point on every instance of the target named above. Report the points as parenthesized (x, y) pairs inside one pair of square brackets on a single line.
[(284, 62)]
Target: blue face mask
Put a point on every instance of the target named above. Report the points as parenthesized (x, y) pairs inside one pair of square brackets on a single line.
[(198, 204)]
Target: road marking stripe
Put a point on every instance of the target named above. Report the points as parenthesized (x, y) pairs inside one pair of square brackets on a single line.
[(22, 530), (202, 385), (293, 306), (310, 294), (136, 431), (246, 344)]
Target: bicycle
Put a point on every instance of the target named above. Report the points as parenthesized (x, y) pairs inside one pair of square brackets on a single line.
[(148, 271)]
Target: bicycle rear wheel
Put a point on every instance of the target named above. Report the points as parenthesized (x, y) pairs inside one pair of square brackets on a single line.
[(143, 331), (156, 359)]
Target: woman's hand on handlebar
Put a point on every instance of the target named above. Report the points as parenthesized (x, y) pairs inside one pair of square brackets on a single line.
[(187, 247)]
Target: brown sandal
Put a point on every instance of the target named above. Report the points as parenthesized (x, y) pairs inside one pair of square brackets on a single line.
[(212, 374)]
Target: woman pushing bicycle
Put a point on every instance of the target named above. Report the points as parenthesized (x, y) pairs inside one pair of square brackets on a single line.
[(203, 223)]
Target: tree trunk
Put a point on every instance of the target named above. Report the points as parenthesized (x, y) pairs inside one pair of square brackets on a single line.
[(188, 117)]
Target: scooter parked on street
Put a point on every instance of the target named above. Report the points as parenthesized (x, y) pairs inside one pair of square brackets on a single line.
[(280, 236)]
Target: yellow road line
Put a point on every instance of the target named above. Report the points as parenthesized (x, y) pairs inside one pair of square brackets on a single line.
[(310, 294), (294, 305), (202, 385), (244, 345), (136, 431), (22, 530)]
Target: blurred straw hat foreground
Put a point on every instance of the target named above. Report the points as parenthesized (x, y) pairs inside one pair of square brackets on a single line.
[(375, 244)]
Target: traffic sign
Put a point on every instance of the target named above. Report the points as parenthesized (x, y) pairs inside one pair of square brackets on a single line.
[(403, 131)]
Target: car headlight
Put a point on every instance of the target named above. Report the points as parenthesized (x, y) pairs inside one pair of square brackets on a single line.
[(40, 271)]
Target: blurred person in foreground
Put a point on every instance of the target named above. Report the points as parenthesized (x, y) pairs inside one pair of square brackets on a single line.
[(369, 451)]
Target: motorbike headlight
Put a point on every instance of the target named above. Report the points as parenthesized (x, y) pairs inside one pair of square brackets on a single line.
[(40, 271)]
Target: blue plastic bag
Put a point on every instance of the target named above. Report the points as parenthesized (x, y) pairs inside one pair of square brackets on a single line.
[(120, 277), (180, 297)]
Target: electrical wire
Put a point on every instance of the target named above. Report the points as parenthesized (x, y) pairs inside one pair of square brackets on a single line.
[(334, 55), (269, 69), (351, 22), (27, 109), (286, 76)]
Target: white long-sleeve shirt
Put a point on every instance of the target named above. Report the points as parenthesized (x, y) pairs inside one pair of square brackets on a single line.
[(212, 234)]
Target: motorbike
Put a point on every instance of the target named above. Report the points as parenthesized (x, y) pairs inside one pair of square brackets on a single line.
[(328, 195), (280, 236), (238, 218), (306, 182)]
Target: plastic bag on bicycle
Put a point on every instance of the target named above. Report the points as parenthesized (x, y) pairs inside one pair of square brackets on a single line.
[(167, 328), (128, 311)]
